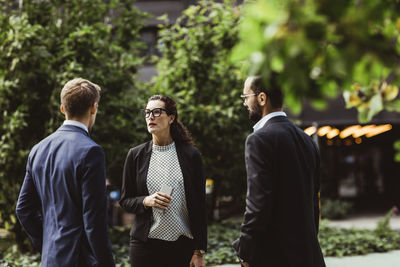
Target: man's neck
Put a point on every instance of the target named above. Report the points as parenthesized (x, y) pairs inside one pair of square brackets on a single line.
[(266, 112), (84, 121)]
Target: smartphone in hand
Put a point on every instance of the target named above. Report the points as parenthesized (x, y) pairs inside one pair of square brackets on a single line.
[(166, 189)]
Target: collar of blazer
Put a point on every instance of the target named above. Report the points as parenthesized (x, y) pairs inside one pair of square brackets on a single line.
[(277, 119), (72, 128)]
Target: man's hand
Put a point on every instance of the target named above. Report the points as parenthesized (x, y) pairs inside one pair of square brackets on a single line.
[(245, 264), (158, 200), (197, 260)]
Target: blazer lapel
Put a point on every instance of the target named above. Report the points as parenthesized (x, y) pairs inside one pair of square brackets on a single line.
[(143, 167), (184, 167)]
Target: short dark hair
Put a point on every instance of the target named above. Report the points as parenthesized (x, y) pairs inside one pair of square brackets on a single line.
[(78, 95), (273, 92)]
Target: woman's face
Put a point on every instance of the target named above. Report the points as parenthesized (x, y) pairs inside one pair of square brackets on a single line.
[(158, 125)]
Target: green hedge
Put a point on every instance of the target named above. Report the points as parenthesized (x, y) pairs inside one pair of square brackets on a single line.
[(335, 208), (334, 242)]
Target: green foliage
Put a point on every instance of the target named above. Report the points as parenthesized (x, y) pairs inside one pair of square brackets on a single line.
[(220, 238), (345, 242), (334, 242), (335, 208), (397, 149), (13, 257), (43, 44), (383, 228), (194, 69), (320, 48)]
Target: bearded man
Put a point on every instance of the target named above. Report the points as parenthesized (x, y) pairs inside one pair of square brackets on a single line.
[(281, 220)]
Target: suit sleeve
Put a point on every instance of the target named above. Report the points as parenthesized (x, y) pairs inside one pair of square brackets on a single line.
[(201, 241), (258, 199), (129, 199), (94, 202), (29, 210)]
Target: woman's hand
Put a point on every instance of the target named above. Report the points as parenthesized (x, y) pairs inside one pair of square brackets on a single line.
[(197, 260), (158, 200)]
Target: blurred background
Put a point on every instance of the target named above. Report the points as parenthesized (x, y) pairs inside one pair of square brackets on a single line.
[(337, 63)]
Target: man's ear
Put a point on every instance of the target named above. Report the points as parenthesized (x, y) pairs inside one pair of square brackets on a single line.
[(262, 99), (62, 109), (93, 109)]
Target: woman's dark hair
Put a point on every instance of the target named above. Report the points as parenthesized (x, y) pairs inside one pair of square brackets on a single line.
[(179, 133)]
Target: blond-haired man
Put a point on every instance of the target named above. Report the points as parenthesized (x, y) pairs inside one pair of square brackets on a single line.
[(62, 203)]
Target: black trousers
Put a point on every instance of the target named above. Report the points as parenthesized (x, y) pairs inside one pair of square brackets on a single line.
[(160, 253)]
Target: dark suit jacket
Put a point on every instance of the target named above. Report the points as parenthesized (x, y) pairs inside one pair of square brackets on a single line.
[(280, 225), (134, 190), (62, 203)]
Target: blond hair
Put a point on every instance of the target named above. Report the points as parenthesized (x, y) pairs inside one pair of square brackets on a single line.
[(78, 95)]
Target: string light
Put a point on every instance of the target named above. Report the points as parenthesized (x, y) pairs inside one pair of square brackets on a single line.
[(324, 130), (310, 130), (349, 131), (332, 133), (356, 131)]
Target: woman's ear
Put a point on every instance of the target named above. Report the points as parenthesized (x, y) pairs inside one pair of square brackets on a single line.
[(172, 119)]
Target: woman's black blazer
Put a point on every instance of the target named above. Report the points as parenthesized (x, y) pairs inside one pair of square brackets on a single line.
[(134, 190)]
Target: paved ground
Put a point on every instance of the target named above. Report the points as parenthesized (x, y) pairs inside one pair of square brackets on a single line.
[(389, 259), (364, 222)]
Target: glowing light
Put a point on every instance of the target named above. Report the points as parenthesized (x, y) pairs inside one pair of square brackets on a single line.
[(310, 130), (324, 130), (349, 131), (356, 131), (378, 130), (364, 130), (332, 133), (348, 142)]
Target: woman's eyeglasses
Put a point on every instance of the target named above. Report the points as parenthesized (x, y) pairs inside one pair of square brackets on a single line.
[(156, 112)]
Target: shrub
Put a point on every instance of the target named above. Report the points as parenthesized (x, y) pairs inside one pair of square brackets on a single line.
[(43, 44), (335, 208), (194, 68)]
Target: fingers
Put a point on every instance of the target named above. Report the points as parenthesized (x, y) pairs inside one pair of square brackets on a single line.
[(160, 200), (161, 204), (163, 195)]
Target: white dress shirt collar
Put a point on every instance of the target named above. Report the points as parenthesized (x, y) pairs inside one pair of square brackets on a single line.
[(77, 124), (266, 118)]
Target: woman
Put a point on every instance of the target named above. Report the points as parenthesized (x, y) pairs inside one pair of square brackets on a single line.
[(169, 228)]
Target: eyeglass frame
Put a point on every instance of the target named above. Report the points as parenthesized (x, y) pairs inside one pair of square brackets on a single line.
[(245, 96), (151, 112)]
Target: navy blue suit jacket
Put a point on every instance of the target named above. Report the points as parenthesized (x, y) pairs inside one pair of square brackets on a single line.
[(62, 203)]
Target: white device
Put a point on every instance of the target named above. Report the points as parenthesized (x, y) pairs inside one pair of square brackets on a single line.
[(166, 189)]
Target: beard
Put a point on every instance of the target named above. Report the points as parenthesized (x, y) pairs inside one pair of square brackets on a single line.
[(256, 114)]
